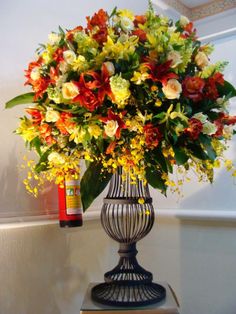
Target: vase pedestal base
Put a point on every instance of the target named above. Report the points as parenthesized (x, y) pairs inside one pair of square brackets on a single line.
[(121, 294), (169, 305)]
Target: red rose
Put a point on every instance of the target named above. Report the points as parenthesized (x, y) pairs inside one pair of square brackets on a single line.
[(211, 87), (194, 128), (152, 135), (87, 99), (193, 87)]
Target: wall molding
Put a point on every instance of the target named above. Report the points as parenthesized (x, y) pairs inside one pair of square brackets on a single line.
[(94, 214), (197, 12)]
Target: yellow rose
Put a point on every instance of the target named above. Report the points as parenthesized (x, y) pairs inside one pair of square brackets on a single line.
[(94, 130), (120, 89), (175, 57), (69, 56), (56, 158), (201, 60), (52, 116), (111, 128), (69, 90), (54, 39), (110, 68), (172, 89)]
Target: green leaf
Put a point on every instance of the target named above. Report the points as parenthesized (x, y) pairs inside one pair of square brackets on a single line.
[(160, 159), (93, 183), (197, 151), (20, 100), (180, 156), (36, 143), (42, 164), (206, 141), (154, 178), (226, 89)]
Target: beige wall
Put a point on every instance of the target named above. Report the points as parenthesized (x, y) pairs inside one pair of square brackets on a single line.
[(45, 270)]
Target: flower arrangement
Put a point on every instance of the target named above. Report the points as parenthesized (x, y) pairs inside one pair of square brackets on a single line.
[(131, 91)]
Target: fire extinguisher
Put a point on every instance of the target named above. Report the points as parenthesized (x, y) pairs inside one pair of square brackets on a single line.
[(70, 209)]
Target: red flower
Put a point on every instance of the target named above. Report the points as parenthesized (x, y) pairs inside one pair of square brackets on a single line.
[(100, 82), (222, 120), (58, 55), (193, 87), (152, 135), (70, 34), (139, 19), (160, 72), (189, 31), (194, 128), (39, 85), (86, 97), (99, 20), (115, 117), (141, 34), (36, 115), (211, 85)]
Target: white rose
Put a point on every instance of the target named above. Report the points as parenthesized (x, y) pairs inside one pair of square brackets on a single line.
[(52, 116), (35, 74), (172, 89), (56, 158), (176, 58), (110, 68), (201, 60), (111, 128), (126, 24), (209, 128), (69, 90), (200, 116), (54, 39), (69, 56), (183, 21)]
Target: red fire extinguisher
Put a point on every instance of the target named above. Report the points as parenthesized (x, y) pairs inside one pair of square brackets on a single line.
[(70, 209)]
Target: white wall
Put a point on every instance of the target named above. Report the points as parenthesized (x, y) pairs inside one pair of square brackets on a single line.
[(45, 270)]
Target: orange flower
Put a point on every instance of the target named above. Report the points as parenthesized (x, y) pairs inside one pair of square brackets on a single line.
[(65, 123), (36, 115), (139, 19), (141, 34), (46, 134)]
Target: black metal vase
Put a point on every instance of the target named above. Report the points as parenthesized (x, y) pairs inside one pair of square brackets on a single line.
[(126, 219)]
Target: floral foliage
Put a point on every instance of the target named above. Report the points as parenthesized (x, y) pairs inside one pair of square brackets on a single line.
[(131, 91)]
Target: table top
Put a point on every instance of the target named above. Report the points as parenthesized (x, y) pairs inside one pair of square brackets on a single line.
[(168, 306)]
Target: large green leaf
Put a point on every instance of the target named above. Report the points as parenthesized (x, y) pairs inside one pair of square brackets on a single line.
[(227, 89), (93, 183), (197, 151), (42, 164), (154, 178), (180, 156), (20, 100), (206, 141), (160, 159)]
